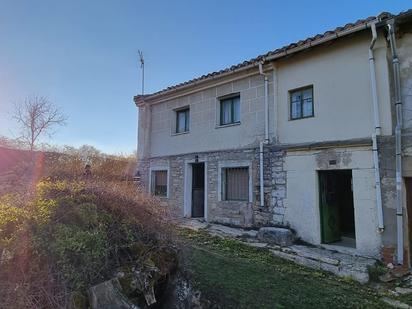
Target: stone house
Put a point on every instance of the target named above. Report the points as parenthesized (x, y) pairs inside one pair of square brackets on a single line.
[(303, 136)]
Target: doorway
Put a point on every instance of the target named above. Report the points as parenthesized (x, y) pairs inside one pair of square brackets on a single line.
[(408, 186), (337, 215), (198, 190)]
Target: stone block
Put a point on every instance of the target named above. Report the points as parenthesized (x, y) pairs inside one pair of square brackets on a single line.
[(276, 235), (280, 192), (242, 84), (278, 218), (279, 210), (108, 295), (224, 89)]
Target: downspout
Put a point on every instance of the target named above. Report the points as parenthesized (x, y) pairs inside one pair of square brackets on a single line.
[(275, 103), (266, 140), (261, 181), (398, 145), (377, 131)]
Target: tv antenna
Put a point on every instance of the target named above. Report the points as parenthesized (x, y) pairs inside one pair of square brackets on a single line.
[(142, 67)]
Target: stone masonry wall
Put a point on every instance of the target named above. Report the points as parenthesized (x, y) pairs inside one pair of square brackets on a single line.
[(238, 213)]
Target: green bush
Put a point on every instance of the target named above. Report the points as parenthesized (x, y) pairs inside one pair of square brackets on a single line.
[(69, 235), (80, 254)]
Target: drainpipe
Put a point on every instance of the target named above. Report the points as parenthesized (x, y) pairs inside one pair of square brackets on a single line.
[(377, 132), (373, 80), (266, 140), (265, 76), (261, 181), (398, 144), (378, 185)]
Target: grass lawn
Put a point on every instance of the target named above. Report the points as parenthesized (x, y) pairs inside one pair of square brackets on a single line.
[(233, 275)]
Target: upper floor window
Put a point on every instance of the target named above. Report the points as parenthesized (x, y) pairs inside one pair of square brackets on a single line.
[(230, 110), (301, 103), (182, 120)]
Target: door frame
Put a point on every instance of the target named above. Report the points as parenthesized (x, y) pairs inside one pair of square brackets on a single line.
[(320, 210), (188, 174), (407, 245)]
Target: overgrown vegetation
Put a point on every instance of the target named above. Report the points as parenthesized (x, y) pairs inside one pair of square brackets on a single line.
[(234, 275), (62, 232)]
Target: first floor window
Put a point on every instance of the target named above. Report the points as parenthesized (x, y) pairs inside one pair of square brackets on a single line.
[(301, 103), (182, 120), (159, 183), (230, 110), (235, 185)]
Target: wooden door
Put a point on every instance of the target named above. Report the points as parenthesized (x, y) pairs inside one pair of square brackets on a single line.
[(329, 207)]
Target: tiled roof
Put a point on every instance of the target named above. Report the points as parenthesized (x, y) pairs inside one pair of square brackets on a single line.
[(277, 53)]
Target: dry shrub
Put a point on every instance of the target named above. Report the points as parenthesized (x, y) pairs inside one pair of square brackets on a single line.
[(71, 165), (64, 233)]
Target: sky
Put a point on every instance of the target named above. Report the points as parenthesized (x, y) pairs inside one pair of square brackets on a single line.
[(83, 55)]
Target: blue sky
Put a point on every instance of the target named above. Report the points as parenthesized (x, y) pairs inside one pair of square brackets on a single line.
[(83, 54)]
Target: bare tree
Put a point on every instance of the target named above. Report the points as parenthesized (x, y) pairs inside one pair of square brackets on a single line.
[(36, 116)]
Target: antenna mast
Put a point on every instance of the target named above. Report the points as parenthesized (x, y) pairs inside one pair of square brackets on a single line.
[(142, 67)]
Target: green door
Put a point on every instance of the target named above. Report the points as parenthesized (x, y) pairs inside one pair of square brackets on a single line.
[(329, 211)]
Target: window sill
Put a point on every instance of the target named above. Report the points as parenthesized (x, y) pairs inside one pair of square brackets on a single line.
[(180, 133), (234, 201), (161, 197), (228, 125), (307, 117)]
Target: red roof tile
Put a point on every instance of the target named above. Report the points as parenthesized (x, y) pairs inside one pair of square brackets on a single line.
[(333, 34)]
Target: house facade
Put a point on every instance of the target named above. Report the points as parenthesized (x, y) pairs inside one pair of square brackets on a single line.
[(303, 137)]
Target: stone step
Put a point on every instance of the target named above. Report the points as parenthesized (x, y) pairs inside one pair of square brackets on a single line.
[(340, 264), (226, 231)]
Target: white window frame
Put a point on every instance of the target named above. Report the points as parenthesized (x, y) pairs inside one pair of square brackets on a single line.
[(234, 164), (173, 121), (218, 110), (159, 168)]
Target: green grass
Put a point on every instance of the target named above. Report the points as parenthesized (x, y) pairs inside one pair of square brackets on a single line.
[(233, 275)]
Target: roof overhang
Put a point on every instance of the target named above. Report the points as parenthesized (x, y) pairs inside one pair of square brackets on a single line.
[(272, 56)]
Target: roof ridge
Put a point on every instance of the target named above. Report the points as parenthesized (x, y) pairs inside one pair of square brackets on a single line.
[(317, 37)]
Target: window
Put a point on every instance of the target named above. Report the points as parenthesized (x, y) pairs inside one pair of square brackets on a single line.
[(230, 110), (301, 103), (235, 184), (159, 183), (182, 120)]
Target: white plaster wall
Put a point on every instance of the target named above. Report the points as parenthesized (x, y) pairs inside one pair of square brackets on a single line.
[(302, 198), (205, 133), (343, 109), (340, 77), (405, 58)]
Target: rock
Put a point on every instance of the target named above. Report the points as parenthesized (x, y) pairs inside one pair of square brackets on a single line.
[(145, 278), (387, 277), (256, 244), (403, 291), (276, 235), (395, 303), (400, 272), (108, 295), (182, 295), (393, 274), (152, 271)]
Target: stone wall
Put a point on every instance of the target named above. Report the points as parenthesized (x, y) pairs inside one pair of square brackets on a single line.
[(239, 213)]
